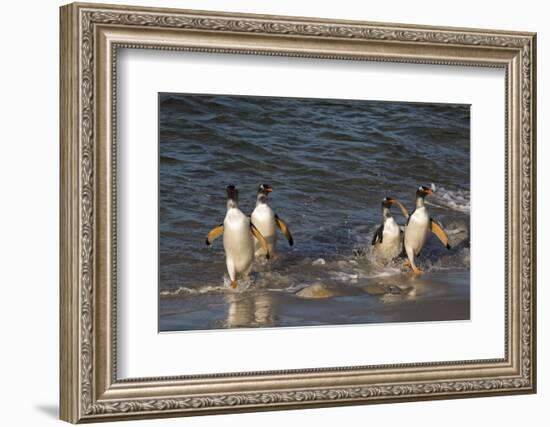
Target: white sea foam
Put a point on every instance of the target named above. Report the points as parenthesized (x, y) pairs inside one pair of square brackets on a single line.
[(345, 277), (457, 200), (185, 290)]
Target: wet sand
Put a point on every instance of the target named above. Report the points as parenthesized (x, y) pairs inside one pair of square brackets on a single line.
[(441, 295)]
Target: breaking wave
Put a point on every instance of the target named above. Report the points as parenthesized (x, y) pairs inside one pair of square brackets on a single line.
[(457, 200)]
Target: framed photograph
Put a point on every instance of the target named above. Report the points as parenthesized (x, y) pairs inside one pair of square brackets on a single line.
[(265, 212)]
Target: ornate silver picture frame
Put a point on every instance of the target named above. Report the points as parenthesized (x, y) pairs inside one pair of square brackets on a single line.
[(91, 390)]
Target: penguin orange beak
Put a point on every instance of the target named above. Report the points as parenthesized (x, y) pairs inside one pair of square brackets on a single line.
[(429, 191), (268, 189)]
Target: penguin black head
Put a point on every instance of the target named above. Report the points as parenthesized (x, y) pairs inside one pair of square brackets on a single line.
[(261, 195), (265, 189), (424, 191), (232, 193), (387, 202)]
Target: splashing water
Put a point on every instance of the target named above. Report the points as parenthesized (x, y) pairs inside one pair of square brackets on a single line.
[(457, 200)]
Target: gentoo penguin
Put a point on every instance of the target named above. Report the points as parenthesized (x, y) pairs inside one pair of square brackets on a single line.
[(238, 238), (419, 225), (387, 238), (266, 221)]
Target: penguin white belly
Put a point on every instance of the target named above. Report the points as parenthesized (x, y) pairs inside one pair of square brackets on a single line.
[(263, 219), (417, 230), (390, 247), (238, 243)]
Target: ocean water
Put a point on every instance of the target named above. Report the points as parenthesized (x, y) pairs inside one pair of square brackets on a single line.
[(330, 163)]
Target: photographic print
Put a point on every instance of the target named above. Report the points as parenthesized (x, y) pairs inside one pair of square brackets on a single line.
[(293, 212), (295, 206)]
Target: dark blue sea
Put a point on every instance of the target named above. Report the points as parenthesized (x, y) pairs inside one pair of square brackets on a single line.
[(330, 163)]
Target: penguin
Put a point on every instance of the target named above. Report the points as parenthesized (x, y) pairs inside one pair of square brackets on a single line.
[(238, 238), (419, 225), (387, 239), (267, 222)]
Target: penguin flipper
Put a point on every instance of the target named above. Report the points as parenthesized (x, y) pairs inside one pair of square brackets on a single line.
[(404, 210), (256, 233), (214, 233), (284, 229), (378, 235), (437, 229)]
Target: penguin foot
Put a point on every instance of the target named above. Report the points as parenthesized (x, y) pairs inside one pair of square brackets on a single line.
[(234, 284), (408, 263), (416, 270)]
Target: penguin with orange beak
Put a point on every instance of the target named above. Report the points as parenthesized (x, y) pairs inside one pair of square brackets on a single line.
[(239, 235), (419, 225), (387, 239), (267, 222)]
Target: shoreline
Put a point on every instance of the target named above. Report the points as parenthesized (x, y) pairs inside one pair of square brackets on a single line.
[(443, 295)]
